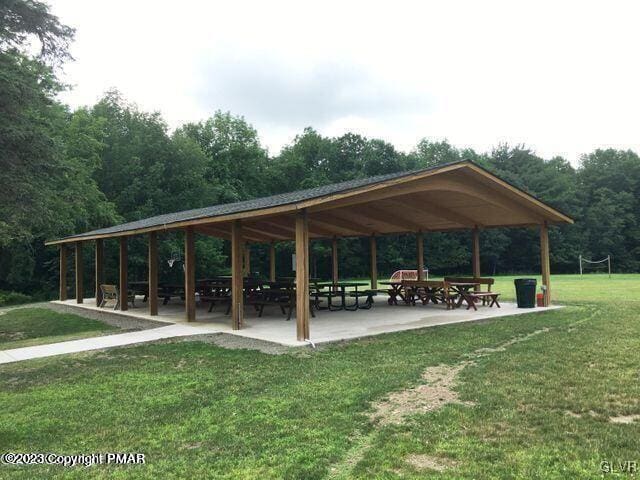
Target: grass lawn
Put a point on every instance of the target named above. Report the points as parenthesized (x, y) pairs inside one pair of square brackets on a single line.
[(537, 392), (22, 327)]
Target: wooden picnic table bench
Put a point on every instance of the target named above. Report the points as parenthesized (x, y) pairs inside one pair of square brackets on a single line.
[(464, 285), (491, 297), (395, 292), (433, 291), (216, 292)]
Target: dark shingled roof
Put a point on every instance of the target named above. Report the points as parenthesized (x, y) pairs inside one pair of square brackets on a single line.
[(254, 204)]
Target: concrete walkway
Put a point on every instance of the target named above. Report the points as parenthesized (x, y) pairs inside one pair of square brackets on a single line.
[(106, 341)]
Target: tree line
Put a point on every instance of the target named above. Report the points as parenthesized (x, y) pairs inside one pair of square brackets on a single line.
[(65, 171)]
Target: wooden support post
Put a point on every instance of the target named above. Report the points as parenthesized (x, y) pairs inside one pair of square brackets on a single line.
[(99, 270), (123, 286), (272, 262), (152, 293), (302, 276), (79, 273), (189, 274), (247, 261), (63, 272), (237, 298), (475, 254), (420, 254), (544, 260), (334, 260), (373, 249)]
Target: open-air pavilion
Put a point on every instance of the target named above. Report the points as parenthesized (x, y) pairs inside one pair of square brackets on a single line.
[(457, 196)]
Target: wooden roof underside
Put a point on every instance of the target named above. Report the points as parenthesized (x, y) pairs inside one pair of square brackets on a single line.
[(460, 196)]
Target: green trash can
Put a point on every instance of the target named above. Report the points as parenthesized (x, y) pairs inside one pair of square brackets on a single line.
[(526, 292)]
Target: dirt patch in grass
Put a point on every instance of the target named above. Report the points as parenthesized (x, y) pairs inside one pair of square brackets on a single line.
[(437, 391), (624, 419), (428, 462), (234, 342), (501, 348), (590, 413), (438, 388)]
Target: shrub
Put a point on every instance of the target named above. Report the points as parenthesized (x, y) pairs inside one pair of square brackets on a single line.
[(13, 298)]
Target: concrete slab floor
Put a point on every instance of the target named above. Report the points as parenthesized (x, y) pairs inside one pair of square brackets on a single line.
[(325, 327)]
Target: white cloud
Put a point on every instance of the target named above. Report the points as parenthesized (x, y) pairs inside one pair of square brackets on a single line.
[(560, 77)]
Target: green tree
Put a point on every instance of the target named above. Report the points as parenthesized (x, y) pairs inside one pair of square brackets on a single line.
[(235, 159), (22, 20), (45, 169)]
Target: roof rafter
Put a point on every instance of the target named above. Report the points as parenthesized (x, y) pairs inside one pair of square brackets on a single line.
[(392, 221), (222, 233), (439, 211), (271, 232), (350, 227)]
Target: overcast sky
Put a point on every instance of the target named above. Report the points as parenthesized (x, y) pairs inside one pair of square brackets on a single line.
[(561, 77)]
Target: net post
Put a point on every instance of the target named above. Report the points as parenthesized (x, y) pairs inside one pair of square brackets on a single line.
[(580, 260)]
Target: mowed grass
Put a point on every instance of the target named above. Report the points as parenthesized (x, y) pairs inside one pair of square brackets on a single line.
[(540, 409), (576, 289), (22, 327), (569, 289)]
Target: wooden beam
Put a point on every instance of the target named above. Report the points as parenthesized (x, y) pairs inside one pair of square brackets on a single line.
[(221, 233), (152, 297), (63, 273), (544, 260), (237, 298), (286, 226), (272, 262), (446, 185), (405, 212), (268, 231), (320, 230), (189, 274), (515, 192), (99, 266), (334, 260), (475, 254), (333, 226), (405, 184), (79, 273), (502, 198), (420, 254), (375, 215), (373, 250), (214, 231), (247, 259), (302, 276), (427, 204), (352, 227), (123, 283)]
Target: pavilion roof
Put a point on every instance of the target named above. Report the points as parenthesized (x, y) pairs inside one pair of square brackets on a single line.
[(475, 196)]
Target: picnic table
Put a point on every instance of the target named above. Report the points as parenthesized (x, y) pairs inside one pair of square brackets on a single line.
[(396, 290), (339, 289), (140, 288), (463, 289), (426, 291)]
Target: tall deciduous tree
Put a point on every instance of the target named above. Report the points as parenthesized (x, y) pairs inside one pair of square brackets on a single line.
[(46, 176)]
